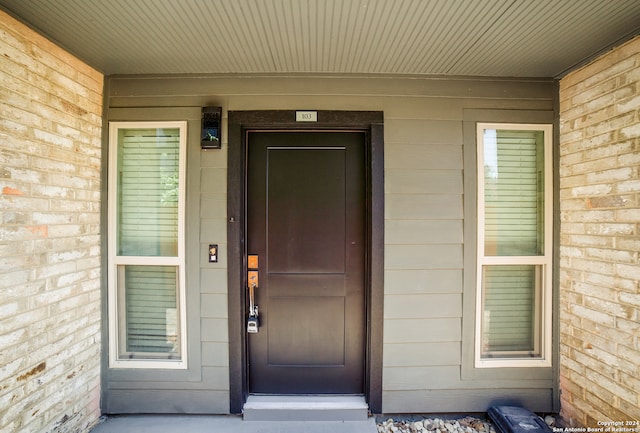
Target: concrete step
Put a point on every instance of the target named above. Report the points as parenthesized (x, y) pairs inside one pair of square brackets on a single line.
[(225, 424), (305, 408)]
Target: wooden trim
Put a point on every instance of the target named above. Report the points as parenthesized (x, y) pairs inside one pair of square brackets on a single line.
[(468, 370), (555, 401), (376, 296), (116, 303), (235, 265), (542, 326), (238, 123)]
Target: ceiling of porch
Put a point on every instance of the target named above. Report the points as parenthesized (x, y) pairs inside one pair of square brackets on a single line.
[(500, 38)]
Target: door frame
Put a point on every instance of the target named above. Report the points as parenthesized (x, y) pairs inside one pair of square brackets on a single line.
[(239, 122)]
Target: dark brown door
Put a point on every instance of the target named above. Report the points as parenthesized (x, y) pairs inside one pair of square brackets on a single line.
[(306, 223)]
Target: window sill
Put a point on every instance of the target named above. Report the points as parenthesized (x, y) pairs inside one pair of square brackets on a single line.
[(513, 363), (165, 364)]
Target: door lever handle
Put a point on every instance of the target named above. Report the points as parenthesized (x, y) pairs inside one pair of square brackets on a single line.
[(252, 282), (252, 323), (252, 305)]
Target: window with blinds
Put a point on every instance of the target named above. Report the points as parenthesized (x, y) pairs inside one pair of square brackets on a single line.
[(514, 233), (146, 232), (148, 162)]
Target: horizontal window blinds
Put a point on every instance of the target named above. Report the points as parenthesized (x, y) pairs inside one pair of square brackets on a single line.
[(148, 185), (151, 309), (148, 167), (513, 227), (513, 192), (509, 308)]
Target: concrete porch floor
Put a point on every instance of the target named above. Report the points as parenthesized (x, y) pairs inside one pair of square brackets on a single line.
[(225, 424)]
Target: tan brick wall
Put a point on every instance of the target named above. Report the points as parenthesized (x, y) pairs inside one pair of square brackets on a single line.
[(50, 140), (600, 239)]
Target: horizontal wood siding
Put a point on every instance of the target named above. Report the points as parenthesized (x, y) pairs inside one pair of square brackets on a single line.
[(465, 399), (424, 250)]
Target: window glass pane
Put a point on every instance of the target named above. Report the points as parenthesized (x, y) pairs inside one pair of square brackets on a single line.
[(151, 311), (513, 192), (147, 219), (510, 318)]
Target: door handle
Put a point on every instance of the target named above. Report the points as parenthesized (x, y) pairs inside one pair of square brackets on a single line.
[(252, 322)]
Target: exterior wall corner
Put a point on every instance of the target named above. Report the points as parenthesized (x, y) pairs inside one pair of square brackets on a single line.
[(599, 263), (50, 308)]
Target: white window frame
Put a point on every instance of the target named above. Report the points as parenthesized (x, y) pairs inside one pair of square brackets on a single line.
[(545, 261), (114, 303)]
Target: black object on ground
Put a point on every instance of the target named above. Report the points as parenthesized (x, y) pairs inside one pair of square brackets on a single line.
[(514, 419)]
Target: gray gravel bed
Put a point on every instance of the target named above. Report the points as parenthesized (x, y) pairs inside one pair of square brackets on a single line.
[(467, 424), (418, 424)]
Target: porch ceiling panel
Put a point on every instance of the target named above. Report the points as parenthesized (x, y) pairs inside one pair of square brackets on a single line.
[(509, 38)]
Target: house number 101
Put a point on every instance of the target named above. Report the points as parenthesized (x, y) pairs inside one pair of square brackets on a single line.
[(306, 116)]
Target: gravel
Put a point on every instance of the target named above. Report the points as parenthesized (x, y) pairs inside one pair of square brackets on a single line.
[(467, 424), (437, 425)]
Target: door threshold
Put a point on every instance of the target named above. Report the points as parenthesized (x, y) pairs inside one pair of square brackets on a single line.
[(305, 408)]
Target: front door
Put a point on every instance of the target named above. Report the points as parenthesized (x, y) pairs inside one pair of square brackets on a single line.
[(306, 213)]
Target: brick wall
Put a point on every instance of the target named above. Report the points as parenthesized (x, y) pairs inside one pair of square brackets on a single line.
[(600, 239), (50, 140)]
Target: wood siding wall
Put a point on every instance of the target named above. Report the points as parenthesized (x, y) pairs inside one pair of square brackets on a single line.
[(425, 148)]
